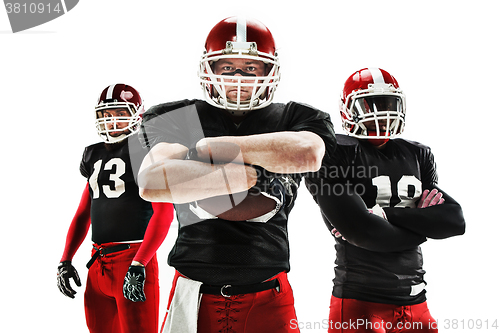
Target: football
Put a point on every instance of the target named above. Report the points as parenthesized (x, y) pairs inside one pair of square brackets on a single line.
[(251, 205)]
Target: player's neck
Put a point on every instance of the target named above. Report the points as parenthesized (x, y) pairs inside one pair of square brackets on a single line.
[(237, 119), (377, 144), (115, 146)]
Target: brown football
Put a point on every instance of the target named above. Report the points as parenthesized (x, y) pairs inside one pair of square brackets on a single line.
[(251, 205)]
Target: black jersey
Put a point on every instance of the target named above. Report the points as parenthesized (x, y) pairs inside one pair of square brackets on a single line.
[(117, 211), (393, 176), (217, 251)]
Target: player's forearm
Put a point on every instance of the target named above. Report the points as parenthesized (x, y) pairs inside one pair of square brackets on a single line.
[(438, 222), (182, 181), (349, 215), (76, 235), (79, 227), (280, 152), (158, 226), (373, 233)]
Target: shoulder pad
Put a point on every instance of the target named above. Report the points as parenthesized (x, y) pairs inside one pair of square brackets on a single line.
[(345, 140), (412, 143), (159, 109)]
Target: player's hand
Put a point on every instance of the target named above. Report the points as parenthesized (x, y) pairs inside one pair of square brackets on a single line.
[(430, 198), (379, 211), (133, 285), (337, 234), (208, 150), (65, 271)]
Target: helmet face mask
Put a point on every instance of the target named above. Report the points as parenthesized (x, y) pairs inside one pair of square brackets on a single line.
[(373, 107), (108, 126), (236, 39), (118, 113)]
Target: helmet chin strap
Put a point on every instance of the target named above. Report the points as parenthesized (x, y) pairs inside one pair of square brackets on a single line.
[(240, 112), (115, 139)]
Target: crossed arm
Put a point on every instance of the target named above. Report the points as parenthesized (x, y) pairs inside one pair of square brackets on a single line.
[(433, 221), (166, 176), (346, 215), (279, 152)]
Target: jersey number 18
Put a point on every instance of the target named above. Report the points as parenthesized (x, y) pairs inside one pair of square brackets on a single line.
[(409, 191)]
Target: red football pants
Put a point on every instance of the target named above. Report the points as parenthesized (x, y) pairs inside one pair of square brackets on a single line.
[(106, 309), (268, 311), (350, 315)]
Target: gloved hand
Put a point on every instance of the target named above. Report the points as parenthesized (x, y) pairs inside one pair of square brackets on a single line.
[(65, 271), (133, 285)]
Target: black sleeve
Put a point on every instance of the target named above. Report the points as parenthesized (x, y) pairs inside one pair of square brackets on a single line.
[(83, 166), (427, 166), (307, 118), (346, 211), (173, 122), (438, 222)]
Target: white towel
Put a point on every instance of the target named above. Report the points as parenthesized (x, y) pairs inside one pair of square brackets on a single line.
[(182, 316)]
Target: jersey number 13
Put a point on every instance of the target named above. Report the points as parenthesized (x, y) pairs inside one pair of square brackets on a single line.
[(119, 185)]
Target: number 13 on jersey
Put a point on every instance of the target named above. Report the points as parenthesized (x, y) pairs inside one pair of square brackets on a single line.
[(119, 184)]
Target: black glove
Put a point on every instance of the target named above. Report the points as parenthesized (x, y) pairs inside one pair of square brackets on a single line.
[(133, 285), (264, 179), (192, 154), (65, 271), (275, 184), (285, 186)]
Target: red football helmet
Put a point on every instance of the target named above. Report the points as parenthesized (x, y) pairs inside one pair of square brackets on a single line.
[(118, 96), (372, 105), (240, 38)]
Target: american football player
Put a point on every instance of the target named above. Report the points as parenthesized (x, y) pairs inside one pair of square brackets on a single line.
[(122, 292), (379, 198), (231, 164)]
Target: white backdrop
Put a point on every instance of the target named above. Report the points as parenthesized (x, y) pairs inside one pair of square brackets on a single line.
[(443, 54)]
